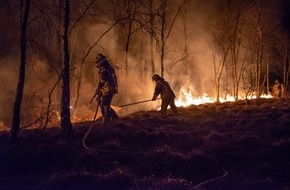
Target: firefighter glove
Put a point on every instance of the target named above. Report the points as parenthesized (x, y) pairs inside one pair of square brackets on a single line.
[(98, 91)]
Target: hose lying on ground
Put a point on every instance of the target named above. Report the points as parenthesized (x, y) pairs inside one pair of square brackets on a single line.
[(105, 151), (211, 180)]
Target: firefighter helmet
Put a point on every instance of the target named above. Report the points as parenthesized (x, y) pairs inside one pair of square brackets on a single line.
[(99, 58), (155, 77)]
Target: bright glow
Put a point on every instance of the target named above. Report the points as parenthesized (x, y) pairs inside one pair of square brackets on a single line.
[(185, 98), (266, 96)]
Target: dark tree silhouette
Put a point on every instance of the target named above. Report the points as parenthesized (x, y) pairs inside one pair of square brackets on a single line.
[(15, 124), (66, 124), (166, 25)]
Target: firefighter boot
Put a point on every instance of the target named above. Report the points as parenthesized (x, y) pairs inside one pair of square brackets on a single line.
[(106, 116), (113, 115)]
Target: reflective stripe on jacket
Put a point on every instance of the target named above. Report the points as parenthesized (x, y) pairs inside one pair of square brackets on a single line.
[(108, 82)]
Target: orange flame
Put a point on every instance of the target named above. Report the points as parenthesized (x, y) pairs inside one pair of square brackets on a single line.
[(185, 98)]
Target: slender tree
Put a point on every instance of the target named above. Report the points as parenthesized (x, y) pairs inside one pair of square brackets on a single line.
[(219, 68), (283, 48), (236, 10), (260, 47), (66, 125), (20, 86), (130, 10), (150, 10), (152, 15), (221, 48), (261, 19), (167, 21)]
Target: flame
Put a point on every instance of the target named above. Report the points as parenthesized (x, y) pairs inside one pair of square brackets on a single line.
[(185, 97)]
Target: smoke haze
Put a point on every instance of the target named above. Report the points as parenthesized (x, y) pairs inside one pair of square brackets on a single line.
[(188, 62)]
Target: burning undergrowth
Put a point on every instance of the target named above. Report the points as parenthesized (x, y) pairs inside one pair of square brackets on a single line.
[(233, 145)]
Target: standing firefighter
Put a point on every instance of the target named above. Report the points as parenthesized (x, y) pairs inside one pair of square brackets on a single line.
[(167, 95), (107, 88), (277, 89)]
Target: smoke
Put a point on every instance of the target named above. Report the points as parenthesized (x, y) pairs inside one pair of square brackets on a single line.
[(136, 85), (8, 82), (188, 62), (190, 33), (38, 84)]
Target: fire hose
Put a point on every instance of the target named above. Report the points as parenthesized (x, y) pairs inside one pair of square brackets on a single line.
[(135, 152), (125, 105), (91, 126)]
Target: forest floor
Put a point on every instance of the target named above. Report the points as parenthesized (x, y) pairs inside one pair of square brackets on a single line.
[(233, 145)]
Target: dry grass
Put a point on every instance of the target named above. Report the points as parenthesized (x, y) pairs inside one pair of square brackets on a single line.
[(250, 141)]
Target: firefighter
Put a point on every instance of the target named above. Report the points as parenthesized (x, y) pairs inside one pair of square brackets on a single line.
[(107, 88), (277, 89), (167, 95)]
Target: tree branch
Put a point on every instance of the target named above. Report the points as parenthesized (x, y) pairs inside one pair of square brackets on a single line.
[(82, 15)]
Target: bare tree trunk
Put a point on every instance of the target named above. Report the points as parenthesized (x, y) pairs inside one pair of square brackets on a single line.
[(286, 74), (242, 70), (164, 23), (127, 53), (59, 47), (163, 40), (259, 52), (259, 63), (152, 38), (66, 125), (20, 86), (218, 70), (185, 53), (162, 48), (130, 9), (267, 73)]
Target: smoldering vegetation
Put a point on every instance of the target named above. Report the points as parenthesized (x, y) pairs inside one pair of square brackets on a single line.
[(246, 144)]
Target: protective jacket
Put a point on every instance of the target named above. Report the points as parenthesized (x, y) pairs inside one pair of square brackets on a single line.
[(107, 79), (162, 87)]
